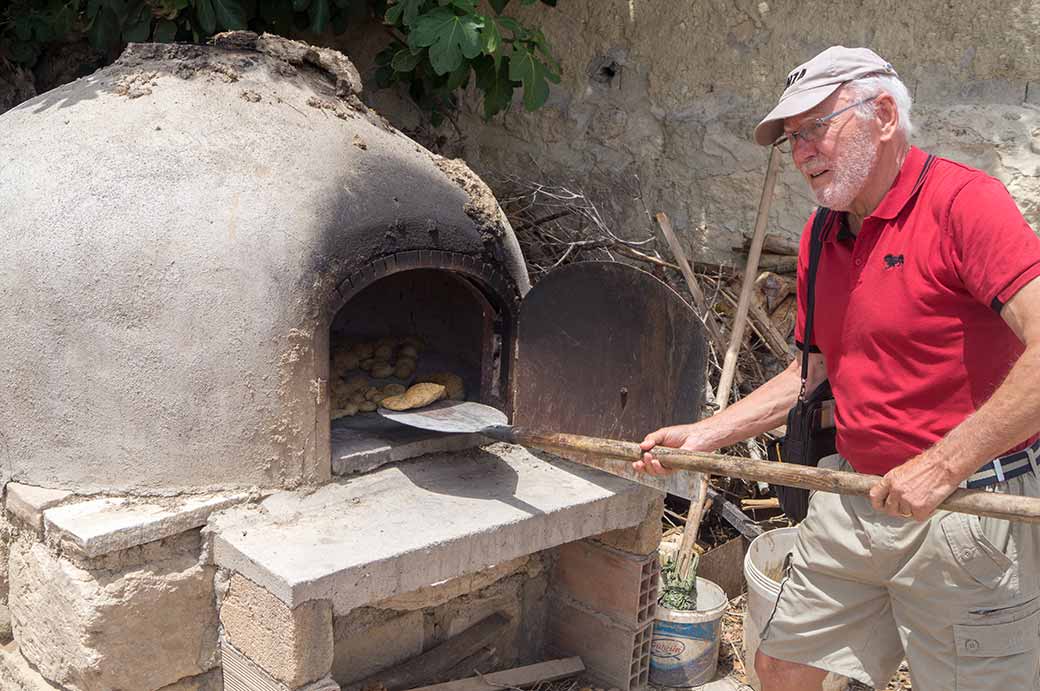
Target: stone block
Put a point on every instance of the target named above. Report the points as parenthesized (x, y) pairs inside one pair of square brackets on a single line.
[(28, 502), (6, 536), (17, 675), (242, 674), (614, 656), (617, 584), (640, 539), (143, 627), (210, 681), (370, 641), (295, 646), (101, 526)]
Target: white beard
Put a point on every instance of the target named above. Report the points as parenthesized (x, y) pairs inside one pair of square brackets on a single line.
[(849, 172)]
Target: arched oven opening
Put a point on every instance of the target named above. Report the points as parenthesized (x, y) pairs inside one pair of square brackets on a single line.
[(447, 324)]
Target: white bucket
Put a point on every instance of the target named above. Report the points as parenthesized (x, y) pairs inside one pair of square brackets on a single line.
[(685, 647), (766, 555)]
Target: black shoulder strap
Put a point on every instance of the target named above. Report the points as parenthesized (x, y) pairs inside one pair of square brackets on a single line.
[(815, 249)]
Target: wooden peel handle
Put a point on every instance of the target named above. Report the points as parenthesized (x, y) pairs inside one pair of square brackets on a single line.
[(980, 503)]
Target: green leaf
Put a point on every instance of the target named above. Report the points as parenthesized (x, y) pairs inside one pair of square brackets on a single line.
[(457, 78), (104, 30), (525, 68), (498, 5), (165, 32), (495, 83), (138, 32), (491, 39), (511, 24), (404, 12), (207, 17), (230, 14), (405, 60), (449, 37), (138, 24), (65, 19), (320, 14), (121, 8)]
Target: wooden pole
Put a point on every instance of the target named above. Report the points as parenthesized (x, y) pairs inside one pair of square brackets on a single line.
[(736, 337), (685, 556), (714, 332), (977, 502)]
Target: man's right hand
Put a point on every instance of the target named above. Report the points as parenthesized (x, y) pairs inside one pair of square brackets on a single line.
[(688, 437)]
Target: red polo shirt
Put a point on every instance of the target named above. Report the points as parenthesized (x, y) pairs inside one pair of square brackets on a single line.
[(908, 310)]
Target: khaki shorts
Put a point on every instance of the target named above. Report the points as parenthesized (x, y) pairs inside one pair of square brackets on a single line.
[(957, 595)]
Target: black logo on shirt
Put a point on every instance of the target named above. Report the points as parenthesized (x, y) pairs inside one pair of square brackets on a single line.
[(893, 260)]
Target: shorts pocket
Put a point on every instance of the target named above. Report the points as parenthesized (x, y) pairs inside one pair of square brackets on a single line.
[(998, 656), (973, 551)]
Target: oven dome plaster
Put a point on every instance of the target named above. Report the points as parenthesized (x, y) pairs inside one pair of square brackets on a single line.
[(177, 229)]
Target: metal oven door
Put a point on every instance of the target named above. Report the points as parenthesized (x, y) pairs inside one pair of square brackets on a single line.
[(606, 350)]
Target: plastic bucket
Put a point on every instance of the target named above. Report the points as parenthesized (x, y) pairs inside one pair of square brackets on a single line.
[(763, 571), (685, 647)]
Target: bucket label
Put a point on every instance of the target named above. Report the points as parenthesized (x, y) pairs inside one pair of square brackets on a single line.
[(704, 631), (667, 648)]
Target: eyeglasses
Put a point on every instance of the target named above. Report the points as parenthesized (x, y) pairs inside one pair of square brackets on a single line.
[(814, 130)]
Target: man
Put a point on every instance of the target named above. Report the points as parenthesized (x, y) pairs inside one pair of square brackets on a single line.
[(927, 324)]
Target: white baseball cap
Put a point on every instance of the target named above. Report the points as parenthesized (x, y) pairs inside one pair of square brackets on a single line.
[(809, 85)]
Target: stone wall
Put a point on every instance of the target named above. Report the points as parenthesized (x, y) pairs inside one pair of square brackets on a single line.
[(661, 97)]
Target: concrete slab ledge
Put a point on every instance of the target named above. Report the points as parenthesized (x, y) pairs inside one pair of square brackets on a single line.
[(416, 523), (101, 526), (28, 502)]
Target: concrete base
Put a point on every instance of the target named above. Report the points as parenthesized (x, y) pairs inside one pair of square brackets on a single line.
[(407, 526)]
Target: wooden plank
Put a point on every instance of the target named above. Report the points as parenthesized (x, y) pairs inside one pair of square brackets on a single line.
[(440, 658), (518, 677), (724, 566), (686, 556), (732, 515)]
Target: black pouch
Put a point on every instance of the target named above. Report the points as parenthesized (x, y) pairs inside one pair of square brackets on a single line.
[(810, 423), (810, 437)]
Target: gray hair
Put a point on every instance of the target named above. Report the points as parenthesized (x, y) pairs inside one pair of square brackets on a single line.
[(891, 85)]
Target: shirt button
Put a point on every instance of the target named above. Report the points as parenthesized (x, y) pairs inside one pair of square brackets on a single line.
[(859, 262)]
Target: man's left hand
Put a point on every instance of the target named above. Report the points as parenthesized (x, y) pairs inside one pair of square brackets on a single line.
[(915, 489)]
